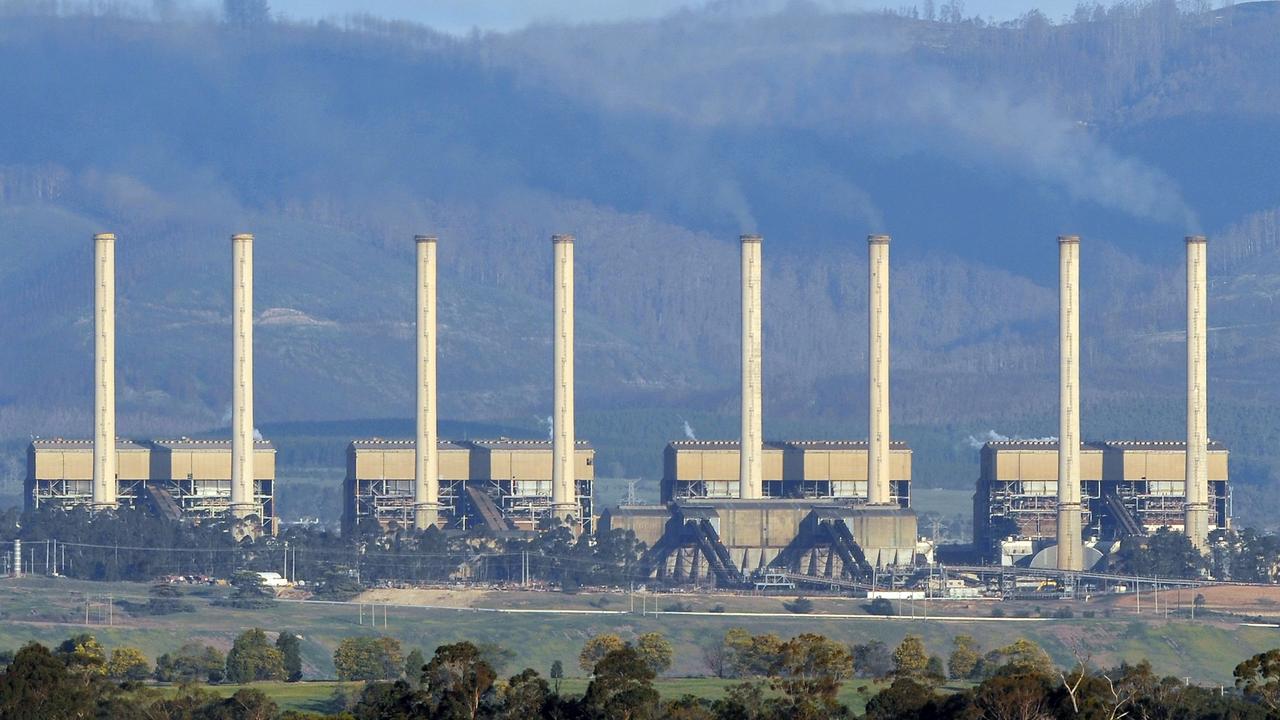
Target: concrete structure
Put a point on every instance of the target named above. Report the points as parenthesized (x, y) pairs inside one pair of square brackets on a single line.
[(180, 479), (1070, 543), (1128, 487), (104, 371), (562, 472), (426, 487), (818, 469), (242, 432), (1197, 466), (728, 542), (502, 483), (878, 370), (751, 461)]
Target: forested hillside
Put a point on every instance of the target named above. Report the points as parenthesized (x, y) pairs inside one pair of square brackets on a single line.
[(655, 143)]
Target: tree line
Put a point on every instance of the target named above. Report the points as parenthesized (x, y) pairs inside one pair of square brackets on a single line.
[(136, 545), (799, 678)]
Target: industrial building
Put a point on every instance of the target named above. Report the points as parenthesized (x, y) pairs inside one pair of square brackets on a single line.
[(180, 478), (734, 510), (502, 484), (1127, 488), (796, 469), (1050, 502), (730, 509)]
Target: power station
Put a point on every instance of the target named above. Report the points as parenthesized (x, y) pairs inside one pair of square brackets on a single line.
[(182, 478), (837, 508), (1063, 503), (503, 484), (730, 510)]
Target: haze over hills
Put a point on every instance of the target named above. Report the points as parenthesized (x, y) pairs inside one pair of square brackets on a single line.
[(656, 143)]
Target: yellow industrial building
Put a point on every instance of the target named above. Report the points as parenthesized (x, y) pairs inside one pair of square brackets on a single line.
[(1127, 487), (503, 483), (820, 469), (180, 478)]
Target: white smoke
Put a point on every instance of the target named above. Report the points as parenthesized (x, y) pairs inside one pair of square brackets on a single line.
[(976, 442), (257, 434), (551, 426), (688, 430)]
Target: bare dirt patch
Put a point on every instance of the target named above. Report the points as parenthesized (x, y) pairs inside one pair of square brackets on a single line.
[(1252, 600), (437, 597)]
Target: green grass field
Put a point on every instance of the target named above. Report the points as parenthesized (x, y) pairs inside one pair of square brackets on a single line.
[(49, 610), (317, 696)]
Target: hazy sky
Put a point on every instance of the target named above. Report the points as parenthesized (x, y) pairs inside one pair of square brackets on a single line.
[(462, 15)]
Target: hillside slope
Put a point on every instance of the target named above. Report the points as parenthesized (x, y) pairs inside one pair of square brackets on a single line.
[(655, 143)]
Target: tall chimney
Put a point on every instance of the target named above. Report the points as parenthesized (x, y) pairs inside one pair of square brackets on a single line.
[(1070, 547), (563, 495), (878, 491), (104, 371), (1197, 475), (426, 486), (751, 459), (242, 445)]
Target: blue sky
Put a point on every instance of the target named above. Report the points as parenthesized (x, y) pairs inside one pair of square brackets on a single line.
[(459, 16)]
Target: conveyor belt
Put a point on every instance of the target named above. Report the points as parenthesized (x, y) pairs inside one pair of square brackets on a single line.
[(488, 510), (163, 503), (1129, 525)]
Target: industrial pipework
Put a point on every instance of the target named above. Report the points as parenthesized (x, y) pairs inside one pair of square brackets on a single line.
[(242, 436), (564, 501), (1197, 473), (1070, 545), (104, 371), (878, 492), (751, 449), (426, 486)]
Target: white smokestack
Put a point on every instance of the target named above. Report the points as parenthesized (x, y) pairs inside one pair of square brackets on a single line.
[(1197, 474), (1070, 546), (242, 433), (563, 494), (751, 450), (104, 371), (426, 488), (878, 490)]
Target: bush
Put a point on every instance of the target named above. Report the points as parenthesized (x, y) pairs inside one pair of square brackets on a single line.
[(253, 658), (879, 606), (1063, 613), (997, 612), (678, 606), (801, 605), (370, 659)]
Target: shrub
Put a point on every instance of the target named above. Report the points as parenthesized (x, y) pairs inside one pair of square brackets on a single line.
[(879, 606), (801, 605)]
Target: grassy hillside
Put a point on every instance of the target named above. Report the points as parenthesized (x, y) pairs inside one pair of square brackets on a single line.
[(48, 611)]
